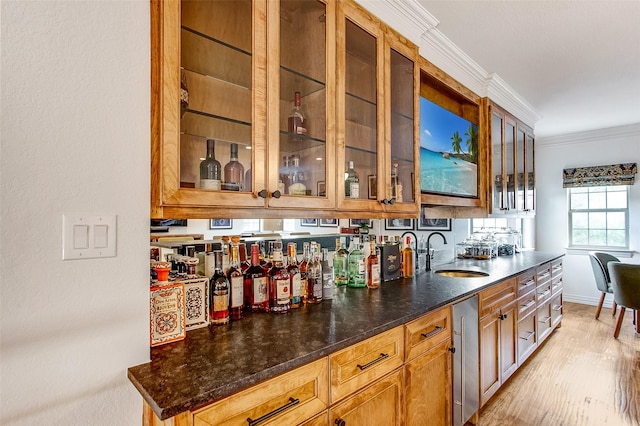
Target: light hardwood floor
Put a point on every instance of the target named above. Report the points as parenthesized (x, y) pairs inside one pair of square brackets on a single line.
[(581, 376)]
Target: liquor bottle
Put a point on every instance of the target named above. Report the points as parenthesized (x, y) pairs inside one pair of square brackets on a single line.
[(351, 182), (373, 266), (303, 272), (407, 259), (236, 284), (248, 181), (285, 176), (279, 284), (210, 169), (294, 274), (255, 284), (297, 123), (357, 266), (314, 276), (340, 259), (268, 258), (219, 295), (225, 254), (298, 182), (233, 172), (396, 185), (244, 262), (327, 276)]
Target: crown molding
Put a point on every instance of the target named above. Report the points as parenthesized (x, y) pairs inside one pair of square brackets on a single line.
[(607, 134), (417, 24)]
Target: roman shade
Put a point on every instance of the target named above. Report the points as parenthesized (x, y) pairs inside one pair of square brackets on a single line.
[(614, 174)]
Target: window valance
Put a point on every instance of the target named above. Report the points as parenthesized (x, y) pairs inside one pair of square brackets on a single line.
[(614, 174)]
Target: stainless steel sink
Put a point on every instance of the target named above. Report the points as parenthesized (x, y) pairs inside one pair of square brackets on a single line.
[(461, 273)]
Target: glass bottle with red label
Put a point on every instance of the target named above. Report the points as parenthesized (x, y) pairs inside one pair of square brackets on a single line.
[(279, 283), (219, 294), (255, 284)]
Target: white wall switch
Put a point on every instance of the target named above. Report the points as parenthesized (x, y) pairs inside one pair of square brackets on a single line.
[(88, 236)]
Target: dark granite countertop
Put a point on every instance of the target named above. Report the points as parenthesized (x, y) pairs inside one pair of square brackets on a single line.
[(214, 362)]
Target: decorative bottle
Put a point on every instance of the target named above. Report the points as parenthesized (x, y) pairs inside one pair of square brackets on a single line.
[(279, 284), (340, 260), (351, 182), (210, 169), (233, 172), (236, 284), (297, 123), (294, 274), (407, 259), (373, 266), (357, 266), (219, 295), (255, 284)]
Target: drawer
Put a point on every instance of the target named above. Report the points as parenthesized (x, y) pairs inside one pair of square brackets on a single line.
[(527, 337), (556, 309), (495, 297), (361, 364), (556, 268), (290, 398), (556, 284), (426, 332), (526, 282), (543, 293), (543, 273), (544, 321), (526, 304)]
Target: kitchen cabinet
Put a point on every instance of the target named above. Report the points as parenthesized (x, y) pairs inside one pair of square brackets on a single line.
[(428, 369), (376, 114), (497, 331), (527, 315), (215, 76), (512, 164)]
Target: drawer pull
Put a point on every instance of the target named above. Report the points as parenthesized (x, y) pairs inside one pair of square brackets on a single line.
[(503, 317), (433, 332), (375, 361), (545, 293), (340, 422), (528, 283), (557, 307), (530, 303), (529, 336), (291, 403), (544, 320)]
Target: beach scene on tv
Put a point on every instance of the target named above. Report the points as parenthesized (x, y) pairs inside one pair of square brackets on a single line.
[(448, 152)]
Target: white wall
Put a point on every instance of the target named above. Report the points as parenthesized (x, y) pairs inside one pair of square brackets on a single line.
[(75, 139), (601, 147)]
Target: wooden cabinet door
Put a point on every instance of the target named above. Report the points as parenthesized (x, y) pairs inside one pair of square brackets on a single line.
[(508, 350), (381, 403), (530, 174), (489, 356), (428, 387)]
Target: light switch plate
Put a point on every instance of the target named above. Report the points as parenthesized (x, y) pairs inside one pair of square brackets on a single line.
[(88, 236)]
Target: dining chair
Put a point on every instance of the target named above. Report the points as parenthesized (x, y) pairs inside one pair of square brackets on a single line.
[(625, 281), (599, 263)]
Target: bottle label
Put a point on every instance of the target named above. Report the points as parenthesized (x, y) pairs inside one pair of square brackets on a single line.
[(210, 184), (295, 285), (282, 292), (220, 302), (399, 192), (237, 293), (362, 267), (297, 189), (317, 288), (375, 274), (259, 290), (354, 190)]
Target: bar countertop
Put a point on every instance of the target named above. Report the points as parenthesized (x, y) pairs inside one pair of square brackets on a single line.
[(214, 362)]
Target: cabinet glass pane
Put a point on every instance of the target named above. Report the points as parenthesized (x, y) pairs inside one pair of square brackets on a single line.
[(402, 152), (302, 98), (496, 161), (360, 105), (509, 140), (531, 175), (520, 170), (216, 95)]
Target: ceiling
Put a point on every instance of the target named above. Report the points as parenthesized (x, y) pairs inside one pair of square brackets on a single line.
[(577, 63)]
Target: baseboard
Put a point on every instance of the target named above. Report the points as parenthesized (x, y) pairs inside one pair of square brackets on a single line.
[(585, 300)]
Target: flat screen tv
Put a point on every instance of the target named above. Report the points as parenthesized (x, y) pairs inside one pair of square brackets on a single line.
[(448, 152)]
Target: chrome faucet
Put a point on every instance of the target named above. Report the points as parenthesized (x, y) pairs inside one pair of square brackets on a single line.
[(429, 254)]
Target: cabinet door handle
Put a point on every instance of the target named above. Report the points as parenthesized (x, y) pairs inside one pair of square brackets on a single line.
[(452, 349), (529, 336), (276, 194), (291, 403), (263, 193), (392, 201), (502, 317), (433, 332), (385, 201), (375, 361), (340, 422)]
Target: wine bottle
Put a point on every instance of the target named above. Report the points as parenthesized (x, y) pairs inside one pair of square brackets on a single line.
[(255, 284), (233, 172), (314, 276), (219, 295), (297, 123), (297, 185), (303, 272), (210, 169), (294, 274), (373, 266), (279, 284), (236, 285), (351, 182), (407, 259)]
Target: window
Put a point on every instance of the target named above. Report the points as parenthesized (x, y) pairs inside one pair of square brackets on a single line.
[(599, 217), (478, 224)]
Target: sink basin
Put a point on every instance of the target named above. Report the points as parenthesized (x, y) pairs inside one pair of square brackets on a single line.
[(461, 273)]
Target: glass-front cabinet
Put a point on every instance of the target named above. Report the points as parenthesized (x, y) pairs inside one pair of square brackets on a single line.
[(261, 106), (513, 167), (376, 110)]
